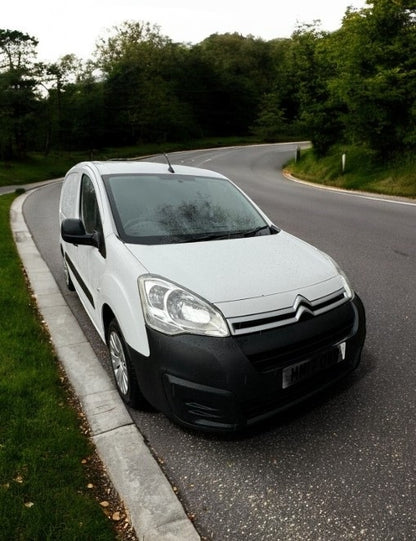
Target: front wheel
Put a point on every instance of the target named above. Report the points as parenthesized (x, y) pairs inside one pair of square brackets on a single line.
[(123, 370)]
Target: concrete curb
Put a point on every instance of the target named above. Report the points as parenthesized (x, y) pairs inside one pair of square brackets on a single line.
[(155, 512)]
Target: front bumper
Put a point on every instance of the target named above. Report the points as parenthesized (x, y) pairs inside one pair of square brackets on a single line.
[(226, 384)]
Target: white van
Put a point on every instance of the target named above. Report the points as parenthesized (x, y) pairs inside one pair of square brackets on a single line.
[(211, 313)]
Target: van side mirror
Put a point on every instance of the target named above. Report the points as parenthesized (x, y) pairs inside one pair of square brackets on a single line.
[(73, 231)]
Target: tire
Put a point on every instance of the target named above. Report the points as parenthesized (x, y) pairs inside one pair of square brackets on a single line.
[(123, 371), (68, 281)]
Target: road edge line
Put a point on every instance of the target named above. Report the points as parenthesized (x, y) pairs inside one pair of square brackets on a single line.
[(398, 200)]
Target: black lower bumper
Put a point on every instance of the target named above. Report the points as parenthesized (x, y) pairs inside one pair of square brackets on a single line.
[(226, 384)]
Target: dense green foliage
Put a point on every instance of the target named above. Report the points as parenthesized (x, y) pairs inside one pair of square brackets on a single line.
[(355, 86)]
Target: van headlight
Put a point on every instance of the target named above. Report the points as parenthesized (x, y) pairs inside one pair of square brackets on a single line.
[(171, 309)]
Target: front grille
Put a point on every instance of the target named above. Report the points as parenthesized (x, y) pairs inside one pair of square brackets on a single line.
[(301, 309), (270, 360), (276, 348)]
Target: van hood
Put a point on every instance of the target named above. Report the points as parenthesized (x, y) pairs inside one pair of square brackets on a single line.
[(224, 271)]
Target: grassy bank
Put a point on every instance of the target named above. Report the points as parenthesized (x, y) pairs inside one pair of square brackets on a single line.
[(50, 480), (362, 171)]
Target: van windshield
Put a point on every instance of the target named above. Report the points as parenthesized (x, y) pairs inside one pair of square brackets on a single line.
[(172, 208)]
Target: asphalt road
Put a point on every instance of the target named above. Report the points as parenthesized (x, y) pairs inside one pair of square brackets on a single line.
[(342, 466)]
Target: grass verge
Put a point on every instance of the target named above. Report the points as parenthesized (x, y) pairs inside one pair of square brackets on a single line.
[(48, 469), (362, 171)]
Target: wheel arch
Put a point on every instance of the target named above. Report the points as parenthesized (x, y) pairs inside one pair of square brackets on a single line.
[(107, 317), (120, 301)]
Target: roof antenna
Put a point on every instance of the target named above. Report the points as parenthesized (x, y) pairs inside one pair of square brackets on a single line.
[(170, 168)]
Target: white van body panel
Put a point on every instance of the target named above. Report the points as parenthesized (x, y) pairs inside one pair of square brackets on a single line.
[(243, 273)]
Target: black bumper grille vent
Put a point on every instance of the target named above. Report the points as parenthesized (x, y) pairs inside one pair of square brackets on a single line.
[(277, 348)]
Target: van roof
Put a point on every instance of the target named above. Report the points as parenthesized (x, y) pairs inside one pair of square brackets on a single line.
[(112, 167)]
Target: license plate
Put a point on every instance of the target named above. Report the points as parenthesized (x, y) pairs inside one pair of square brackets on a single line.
[(298, 372)]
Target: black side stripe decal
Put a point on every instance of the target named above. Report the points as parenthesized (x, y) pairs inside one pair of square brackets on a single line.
[(80, 280)]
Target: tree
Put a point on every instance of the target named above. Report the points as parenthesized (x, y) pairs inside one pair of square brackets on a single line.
[(18, 102), (375, 51), (241, 73), (270, 121), (56, 79), (279, 107), (17, 50), (318, 111), (140, 69)]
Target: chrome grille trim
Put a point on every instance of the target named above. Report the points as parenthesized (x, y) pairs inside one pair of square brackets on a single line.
[(301, 307)]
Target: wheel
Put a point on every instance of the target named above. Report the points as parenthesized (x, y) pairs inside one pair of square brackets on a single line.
[(122, 368), (68, 280)]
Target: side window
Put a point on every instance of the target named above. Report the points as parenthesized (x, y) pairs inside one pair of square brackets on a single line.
[(90, 214), (69, 195)]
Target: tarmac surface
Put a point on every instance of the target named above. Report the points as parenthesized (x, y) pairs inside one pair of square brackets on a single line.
[(155, 512), (345, 469)]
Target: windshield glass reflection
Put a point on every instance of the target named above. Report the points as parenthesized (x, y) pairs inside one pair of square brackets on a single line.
[(177, 208)]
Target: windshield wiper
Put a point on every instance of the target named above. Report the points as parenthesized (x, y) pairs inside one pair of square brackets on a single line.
[(271, 229), (253, 232), (211, 236), (231, 235)]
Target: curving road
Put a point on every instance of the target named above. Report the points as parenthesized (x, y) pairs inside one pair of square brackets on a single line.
[(342, 467)]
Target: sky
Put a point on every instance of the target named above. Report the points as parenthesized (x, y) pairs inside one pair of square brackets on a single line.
[(74, 26)]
